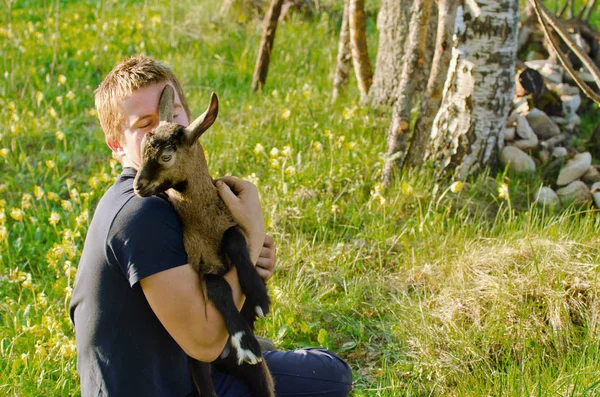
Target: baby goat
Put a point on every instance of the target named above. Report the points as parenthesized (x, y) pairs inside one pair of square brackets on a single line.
[(173, 161)]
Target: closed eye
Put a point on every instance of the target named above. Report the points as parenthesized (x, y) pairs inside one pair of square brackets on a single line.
[(166, 157)]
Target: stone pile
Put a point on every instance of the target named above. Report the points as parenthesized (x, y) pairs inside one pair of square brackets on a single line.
[(534, 139)]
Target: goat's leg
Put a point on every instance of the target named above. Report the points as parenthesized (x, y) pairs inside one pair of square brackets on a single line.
[(242, 339), (202, 378), (235, 248), (257, 377)]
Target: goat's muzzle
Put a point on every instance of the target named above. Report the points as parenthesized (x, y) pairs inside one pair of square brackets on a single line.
[(142, 187)]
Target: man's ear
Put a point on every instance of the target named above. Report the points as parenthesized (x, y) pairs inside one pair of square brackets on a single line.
[(116, 147)]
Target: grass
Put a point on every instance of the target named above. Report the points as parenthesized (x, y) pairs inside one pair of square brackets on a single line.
[(426, 290)]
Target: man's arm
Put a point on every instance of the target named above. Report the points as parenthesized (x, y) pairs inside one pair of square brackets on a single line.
[(176, 295), (177, 299)]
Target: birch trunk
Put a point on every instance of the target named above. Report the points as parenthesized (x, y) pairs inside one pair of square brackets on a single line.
[(478, 89), (433, 94), (392, 24), (266, 45), (358, 44), (344, 57), (398, 133)]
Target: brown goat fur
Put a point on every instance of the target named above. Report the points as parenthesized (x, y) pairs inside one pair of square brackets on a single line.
[(173, 161)]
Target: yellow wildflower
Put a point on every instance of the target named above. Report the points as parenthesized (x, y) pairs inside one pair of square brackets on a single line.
[(258, 149), (70, 96), (39, 97), (335, 209), (286, 114), (82, 218), (3, 233), (53, 196), (62, 80), (274, 152), (38, 192), (60, 136), (66, 205), (3, 187), (287, 150), (456, 187), (54, 218), (94, 182), (503, 191), (52, 112), (59, 100), (317, 146), (274, 163), (91, 112), (2, 217), (16, 214), (50, 164), (4, 152), (26, 201), (291, 170)]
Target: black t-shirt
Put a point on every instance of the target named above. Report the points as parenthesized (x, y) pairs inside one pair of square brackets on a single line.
[(122, 348)]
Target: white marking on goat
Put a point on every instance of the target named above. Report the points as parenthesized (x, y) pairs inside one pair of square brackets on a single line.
[(259, 311), (242, 354)]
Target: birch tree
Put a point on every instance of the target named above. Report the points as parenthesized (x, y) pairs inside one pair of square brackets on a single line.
[(358, 45), (413, 60), (392, 24), (344, 57), (266, 45), (430, 102), (478, 89)]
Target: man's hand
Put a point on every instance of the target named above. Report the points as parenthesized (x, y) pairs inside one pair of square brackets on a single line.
[(241, 197), (265, 266)]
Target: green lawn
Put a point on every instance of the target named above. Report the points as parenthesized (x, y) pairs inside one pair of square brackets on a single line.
[(425, 290)]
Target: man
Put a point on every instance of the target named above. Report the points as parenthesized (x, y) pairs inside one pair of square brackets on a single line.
[(138, 308)]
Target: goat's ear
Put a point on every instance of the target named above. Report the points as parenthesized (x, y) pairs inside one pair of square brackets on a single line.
[(165, 104), (202, 123)]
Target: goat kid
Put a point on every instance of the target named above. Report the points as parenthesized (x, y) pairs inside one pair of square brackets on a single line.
[(173, 162)]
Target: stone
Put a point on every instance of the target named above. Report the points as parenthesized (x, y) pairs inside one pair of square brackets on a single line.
[(575, 193), (591, 176), (524, 130), (528, 139), (547, 197), (521, 105), (516, 160), (596, 193), (574, 168), (541, 124), (570, 104), (511, 120), (559, 152), (565, 89), (573, 123), (544, 155), (509, 134)]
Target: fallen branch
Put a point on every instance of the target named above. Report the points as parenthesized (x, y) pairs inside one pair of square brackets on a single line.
[(546, 18)]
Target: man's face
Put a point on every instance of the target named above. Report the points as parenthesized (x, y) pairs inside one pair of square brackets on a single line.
[(140, 116)]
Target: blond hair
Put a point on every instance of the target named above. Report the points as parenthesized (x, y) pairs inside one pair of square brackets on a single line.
[(131, 74)]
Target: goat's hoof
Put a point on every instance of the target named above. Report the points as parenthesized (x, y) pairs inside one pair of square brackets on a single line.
[(247, 348)]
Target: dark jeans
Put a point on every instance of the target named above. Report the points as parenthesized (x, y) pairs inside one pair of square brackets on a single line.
[(302, 372)]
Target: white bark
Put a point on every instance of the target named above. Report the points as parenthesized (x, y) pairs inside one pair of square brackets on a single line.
[(479, 87)]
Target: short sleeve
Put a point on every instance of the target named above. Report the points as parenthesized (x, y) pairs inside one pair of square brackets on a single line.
[(146, 238)]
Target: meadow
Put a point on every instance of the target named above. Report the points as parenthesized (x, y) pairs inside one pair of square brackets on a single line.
[(426, 289)]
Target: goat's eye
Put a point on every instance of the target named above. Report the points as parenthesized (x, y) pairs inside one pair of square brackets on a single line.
[(166, 157)]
